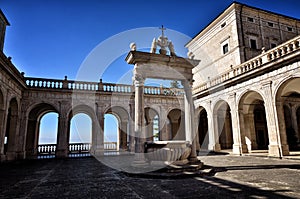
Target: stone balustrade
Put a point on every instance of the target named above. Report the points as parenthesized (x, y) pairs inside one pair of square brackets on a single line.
[(253, 64), (46, 149), (111, 146), (74, 148), (79, 147), (43, 83)]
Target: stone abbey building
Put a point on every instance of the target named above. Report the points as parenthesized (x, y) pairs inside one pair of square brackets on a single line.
[(246, 94)]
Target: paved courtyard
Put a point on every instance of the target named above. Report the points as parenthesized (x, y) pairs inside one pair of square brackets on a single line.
[(225, 176)]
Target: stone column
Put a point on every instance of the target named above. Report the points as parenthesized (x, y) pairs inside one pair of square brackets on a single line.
[(123, 135), (139, 128), (212, 120), (97, 147), (131, 128), (2, 133), (275, 144), (280, 120), (62, 136), (294, 121), (190, 119), (238, 127)]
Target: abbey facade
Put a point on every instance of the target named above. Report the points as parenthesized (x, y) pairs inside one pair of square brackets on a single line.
[(246, 93)]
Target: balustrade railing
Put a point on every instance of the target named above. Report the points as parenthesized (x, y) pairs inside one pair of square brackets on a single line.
[(253, 64), (79, 147), (97, 86), (47, 149), (75, 148), (111, 146)]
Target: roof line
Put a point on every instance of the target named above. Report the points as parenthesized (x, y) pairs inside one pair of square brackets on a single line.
[(242, 4), (4, 17)]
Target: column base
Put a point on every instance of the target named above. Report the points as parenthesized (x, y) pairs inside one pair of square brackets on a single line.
[(274, 150), (2, 158), (214, 147), (239, 150), (11, 156), (61, 153), (97, 152), (139, 160)]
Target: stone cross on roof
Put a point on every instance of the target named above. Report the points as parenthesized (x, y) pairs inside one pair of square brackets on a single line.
[(163, 43)]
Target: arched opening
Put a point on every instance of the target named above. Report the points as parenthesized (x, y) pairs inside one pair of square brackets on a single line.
[(11, 129), (38, 115), (253, 121), (152, 124), (111, 132), (287, 106), (203, 130), (224, 125), (80, 138), (261, 129), (291, 134), (48, 129), (174, 123), (116, 129)]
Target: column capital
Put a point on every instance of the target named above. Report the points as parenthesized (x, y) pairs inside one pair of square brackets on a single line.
[(138, 79)]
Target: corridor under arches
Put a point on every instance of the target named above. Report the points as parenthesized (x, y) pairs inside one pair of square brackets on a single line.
[(223, 128), (253, 120), (203, 136), (288, 113)]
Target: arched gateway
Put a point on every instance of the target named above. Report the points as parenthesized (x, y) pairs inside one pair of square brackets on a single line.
[(161, 66)]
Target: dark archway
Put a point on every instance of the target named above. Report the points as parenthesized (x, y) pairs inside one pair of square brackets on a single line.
[(261, 128), (33, 128), (177, 127), (203, 129), (11, 127), (224, 125), (152, 124)]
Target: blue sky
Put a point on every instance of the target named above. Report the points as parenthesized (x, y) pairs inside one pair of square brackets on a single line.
[(52, 39)]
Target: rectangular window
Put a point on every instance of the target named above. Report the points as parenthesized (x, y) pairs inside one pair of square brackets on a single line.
[(253, 44), (270, 24), (290, 29), (223, 25), (225, 48), (250, 19)]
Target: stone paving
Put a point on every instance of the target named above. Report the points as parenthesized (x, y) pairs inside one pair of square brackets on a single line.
[(229, 177)]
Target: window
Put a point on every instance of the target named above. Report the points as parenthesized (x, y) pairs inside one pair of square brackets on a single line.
[(270, 24), (250, 19), (290, 29), (225, 48), (273, 45), (223, 25), (253, 44)]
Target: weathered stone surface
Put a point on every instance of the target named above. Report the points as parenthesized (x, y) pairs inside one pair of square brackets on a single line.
[(224, 176)]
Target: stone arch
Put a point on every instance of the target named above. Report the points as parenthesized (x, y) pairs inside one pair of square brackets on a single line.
[(253, 123), (35, 113), (123, 118), (11, 132), (223, 124), (203, 136), (90, 112), (152, 125), (2, 122), (176, 126), (287, 105)]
